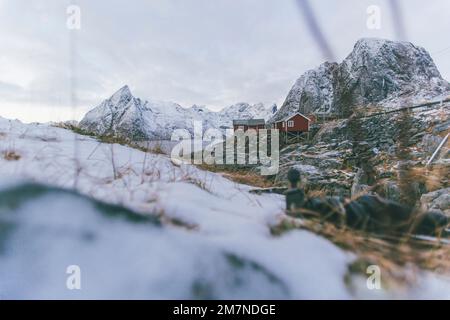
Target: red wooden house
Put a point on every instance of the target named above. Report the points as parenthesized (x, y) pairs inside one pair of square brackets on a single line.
[(293, 123)]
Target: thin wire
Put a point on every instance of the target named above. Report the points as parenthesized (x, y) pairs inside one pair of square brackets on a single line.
[(399, 25), (315, 29), (73, 97), (436, 53)]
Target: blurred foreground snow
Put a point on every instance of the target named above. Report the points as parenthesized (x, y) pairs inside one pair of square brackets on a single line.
[(159, 231)]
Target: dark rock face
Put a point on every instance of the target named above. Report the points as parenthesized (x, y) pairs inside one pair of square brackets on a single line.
[(378, 215), (376, 71), (374, 214), (313, 91)]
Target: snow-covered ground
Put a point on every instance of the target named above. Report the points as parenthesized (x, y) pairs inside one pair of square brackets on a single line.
[(219, 247)]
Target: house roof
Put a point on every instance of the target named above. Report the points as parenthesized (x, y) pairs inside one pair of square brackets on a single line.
[(292, 115), (250, 122)]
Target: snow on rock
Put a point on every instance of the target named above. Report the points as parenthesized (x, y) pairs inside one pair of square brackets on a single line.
[(377, 71), (125, 116)]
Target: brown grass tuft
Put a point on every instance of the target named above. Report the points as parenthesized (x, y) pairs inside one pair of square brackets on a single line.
[(316, 193), (157, 149), (11, 155), (392, 254), (242, 175)]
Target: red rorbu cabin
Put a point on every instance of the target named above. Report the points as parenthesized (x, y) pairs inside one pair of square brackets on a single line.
[(294, 123)]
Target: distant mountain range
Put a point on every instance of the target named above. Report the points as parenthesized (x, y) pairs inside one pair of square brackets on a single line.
[(127, 116), (377, 72)]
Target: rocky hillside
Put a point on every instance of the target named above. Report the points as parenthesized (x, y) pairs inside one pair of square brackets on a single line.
[(376, 72), (160, 231), (360, 151), (350, 156), (129, 117)]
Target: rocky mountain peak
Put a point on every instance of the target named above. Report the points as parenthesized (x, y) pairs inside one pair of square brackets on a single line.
[(372, 46), (377, 71), (199, 109), (129, 117), (121, 95)]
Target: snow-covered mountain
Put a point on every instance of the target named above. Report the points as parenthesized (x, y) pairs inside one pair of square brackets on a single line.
[(377, 71), (127, 116)]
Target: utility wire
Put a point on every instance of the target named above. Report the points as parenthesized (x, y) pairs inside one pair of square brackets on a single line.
[(399, 25), (316, 31)]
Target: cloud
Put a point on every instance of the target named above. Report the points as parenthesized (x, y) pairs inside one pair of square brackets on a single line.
[(203, 52)]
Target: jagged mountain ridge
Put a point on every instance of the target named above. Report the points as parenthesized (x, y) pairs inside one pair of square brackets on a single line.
[(377, 71), (130, 117)]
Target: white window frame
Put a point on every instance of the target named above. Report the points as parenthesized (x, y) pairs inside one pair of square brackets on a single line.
[(290, 123)]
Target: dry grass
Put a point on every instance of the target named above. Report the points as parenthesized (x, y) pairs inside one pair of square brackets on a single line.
[(111, 139), (316, 193), (11, 155), (201, 183), (393, 254), (433, 177), (166, 220), (241, 175), (251, 179), (157, 149)]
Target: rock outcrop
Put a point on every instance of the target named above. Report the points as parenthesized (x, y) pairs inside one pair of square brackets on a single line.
[(377, 71), (333, 160)]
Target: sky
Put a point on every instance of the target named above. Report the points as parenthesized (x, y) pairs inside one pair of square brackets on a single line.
[(205, 52)]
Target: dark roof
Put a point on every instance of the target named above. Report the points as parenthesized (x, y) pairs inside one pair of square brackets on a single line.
[(250, 122)]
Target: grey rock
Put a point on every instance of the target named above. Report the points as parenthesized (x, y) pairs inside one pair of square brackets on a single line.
[(360, 185), (376, 70), (439, 199), (430, 142), (441, 127)]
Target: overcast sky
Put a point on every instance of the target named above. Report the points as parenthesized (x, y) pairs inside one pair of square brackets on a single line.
[(205, 52)]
